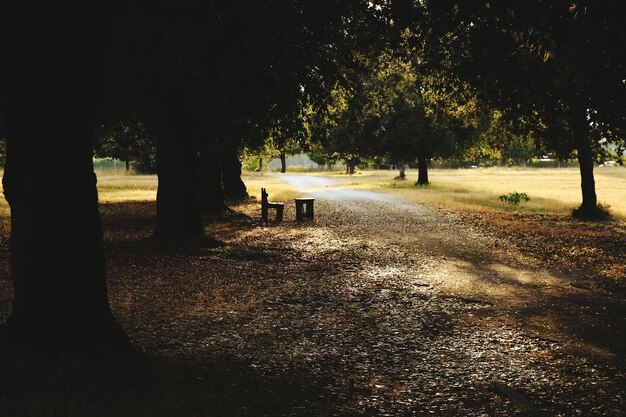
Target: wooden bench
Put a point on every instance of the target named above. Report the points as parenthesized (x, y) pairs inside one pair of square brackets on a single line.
[(304, 208), (266, 205)]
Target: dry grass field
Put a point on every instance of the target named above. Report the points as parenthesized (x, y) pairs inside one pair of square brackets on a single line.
[(551, 191)]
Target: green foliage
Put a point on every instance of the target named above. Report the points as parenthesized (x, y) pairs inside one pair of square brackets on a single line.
[(397, 110), (317, 158), (127, 141), (240, 72), (514, 198), (500, 144)]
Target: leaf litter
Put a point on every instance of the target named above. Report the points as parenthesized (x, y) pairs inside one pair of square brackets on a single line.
[(357, 315)]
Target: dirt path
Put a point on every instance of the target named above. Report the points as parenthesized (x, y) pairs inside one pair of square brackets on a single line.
[(499, 315), (462, 259)]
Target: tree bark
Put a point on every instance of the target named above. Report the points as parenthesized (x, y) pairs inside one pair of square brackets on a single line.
[(178, 211), (401, 169), (57, 253), (350, 165), (283, 161), (580, 131), (587, 184), (422, 171), (210, 190), (234, 187)]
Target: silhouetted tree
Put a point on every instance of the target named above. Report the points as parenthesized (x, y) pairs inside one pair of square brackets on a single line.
[(50, 92), (554, 67)]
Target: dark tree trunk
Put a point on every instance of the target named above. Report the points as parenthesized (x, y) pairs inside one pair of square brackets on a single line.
[(422, 171), (587, 184), (402, 173), (210, 190), (57, 255), (283, 161), (178, 211), (127, 160), (350, 165), (580, 130), (260, 168), (234, 187)]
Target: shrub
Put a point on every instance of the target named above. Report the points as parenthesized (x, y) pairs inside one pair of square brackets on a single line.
[(514, 198)]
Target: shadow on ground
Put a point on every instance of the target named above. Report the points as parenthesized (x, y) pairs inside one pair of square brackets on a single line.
[(157, 386)]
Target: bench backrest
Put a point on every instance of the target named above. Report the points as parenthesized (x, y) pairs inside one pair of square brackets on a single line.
[(263, 196)]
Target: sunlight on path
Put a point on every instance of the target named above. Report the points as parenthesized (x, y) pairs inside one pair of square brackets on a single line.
[(306, 182), (324, 188), (426, 296), (463, 260)]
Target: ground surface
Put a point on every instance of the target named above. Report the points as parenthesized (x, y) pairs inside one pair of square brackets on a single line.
[(380, 307)]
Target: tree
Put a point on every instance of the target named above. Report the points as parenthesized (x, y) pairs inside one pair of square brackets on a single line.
[(50, 92), (554, 67), (403, 112), (127, 141), (226, 64), (287, 136)]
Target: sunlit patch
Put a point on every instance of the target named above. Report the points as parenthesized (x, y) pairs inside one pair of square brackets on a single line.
[(382, 273)]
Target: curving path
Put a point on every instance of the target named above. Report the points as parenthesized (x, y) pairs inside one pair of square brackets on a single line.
[(496, 311)]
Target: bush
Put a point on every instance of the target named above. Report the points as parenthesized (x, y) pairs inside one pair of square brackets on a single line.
[(514, 198)]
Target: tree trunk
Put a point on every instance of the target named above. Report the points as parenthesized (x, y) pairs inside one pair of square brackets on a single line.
[(127, 160), (402, 174), (260, 168), (580, 131), (588, 186), (57, 253), (210, 190), (350, 165), (234, 187), (178, 211), (422, 171), (283, 161)]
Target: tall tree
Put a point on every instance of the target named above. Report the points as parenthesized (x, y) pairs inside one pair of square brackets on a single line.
[(227, 64), (556, 67), (50, 92), (403, 112)]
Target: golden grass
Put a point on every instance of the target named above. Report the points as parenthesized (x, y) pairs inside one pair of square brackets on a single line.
[(117, 188), (554, 191), (276, 188)]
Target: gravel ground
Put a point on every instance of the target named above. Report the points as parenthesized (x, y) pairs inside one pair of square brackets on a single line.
[(379, 307)]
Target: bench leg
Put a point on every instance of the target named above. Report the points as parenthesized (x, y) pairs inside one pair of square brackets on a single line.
[(299, 210), (279, 214)]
